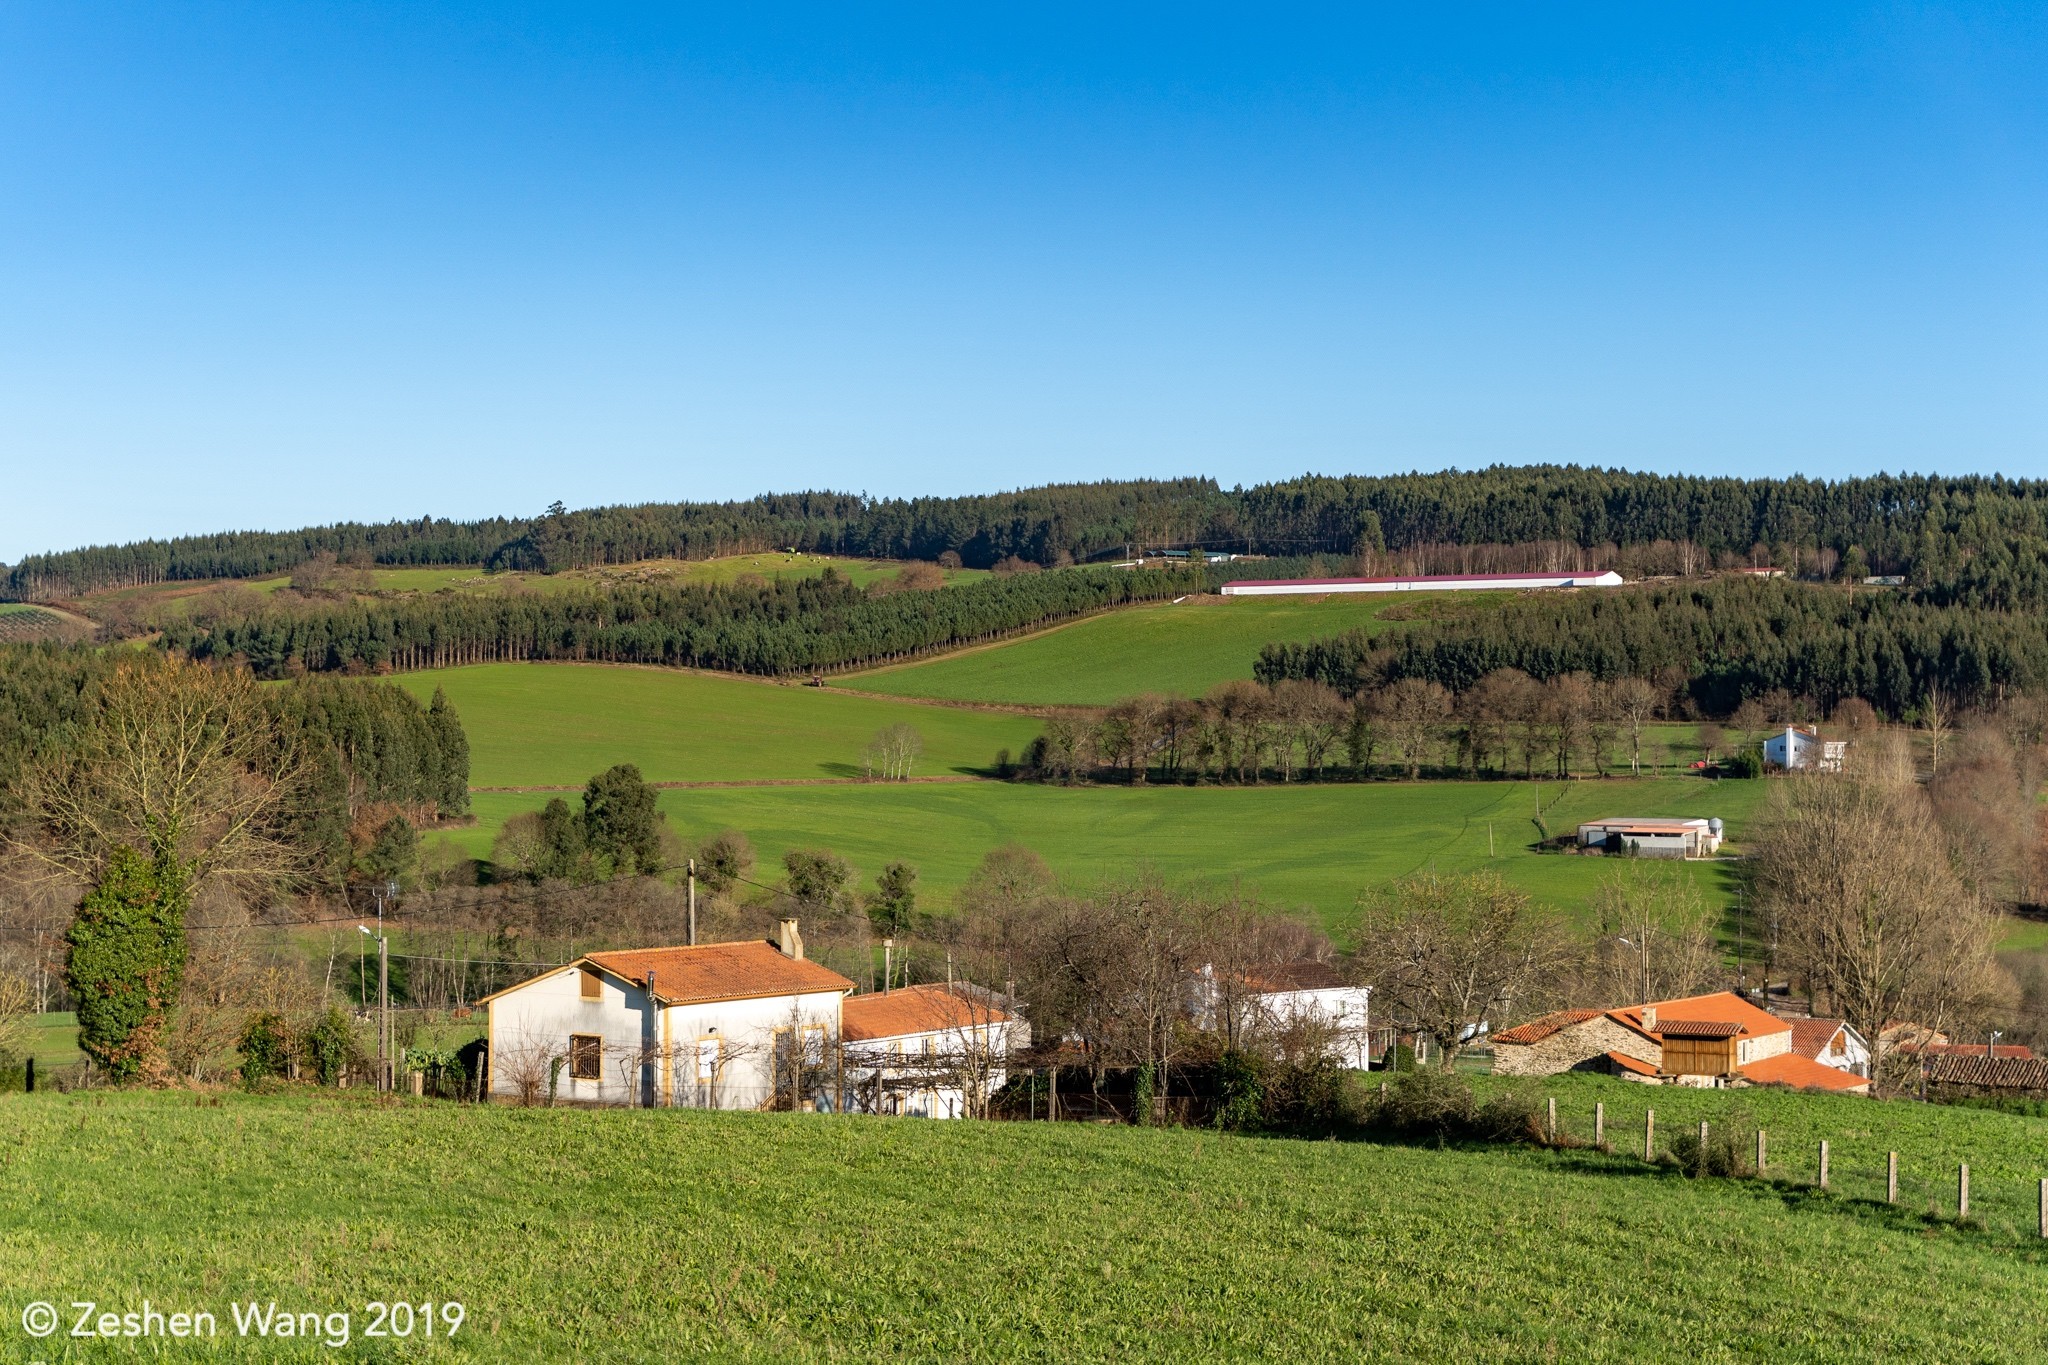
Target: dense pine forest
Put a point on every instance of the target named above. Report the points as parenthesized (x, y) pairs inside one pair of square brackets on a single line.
[(1732, 638), (785, 626), (1931, 529)]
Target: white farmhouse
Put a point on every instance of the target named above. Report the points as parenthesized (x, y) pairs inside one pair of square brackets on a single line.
[(716, 1026), (1275, 1000), (1800, 747), (935, 1051)]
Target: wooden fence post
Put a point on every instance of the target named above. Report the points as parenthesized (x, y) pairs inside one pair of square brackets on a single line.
[(1703, 1144), (1823, 1163), (2044, 1208), (1891, 1178), (1963, 1190), (1550, 1122), (1760, 1151), (1649, 1135), (1600, 1126)]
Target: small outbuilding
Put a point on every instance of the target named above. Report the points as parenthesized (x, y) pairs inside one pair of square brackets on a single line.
[(1652, 838)]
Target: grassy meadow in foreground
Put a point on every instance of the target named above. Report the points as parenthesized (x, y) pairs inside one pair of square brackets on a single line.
[(557, 724), (1179, 649), (638, 1235), (1297, 845)]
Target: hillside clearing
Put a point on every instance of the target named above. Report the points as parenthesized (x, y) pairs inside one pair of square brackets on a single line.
[(637, 1235), (1179, 649), (543, 725), (1299, 845)]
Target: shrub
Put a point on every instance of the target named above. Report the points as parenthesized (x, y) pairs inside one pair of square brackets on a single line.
[(1240, 1091), (1440, 1106), (1728, 1151), (265, 1047), (1743, 763), (331, 1045)]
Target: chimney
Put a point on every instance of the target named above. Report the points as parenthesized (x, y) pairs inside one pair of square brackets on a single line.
[(1649, 1018), (792, 941)]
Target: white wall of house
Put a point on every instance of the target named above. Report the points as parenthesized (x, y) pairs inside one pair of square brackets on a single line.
[(897, 1056), (1346, 1010), (719, 1054), (1846, 1051)]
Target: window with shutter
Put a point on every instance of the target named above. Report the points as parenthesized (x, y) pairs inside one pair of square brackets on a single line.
[(586, 1057)]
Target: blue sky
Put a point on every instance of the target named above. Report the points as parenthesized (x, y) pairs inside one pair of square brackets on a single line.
[(269, 265)]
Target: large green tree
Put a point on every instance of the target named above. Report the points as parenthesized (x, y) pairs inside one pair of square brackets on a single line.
[(620, 822), (127, 958)]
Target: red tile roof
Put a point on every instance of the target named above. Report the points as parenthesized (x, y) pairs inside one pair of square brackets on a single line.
[(2017, 1051), (719, 971), (1803, 1073), (1810, 1037), (1543, 1026), (913, 1009), (1697, 1028), (1297, 976), (1720, 1007), (1995, 1073), (1628, 1063)]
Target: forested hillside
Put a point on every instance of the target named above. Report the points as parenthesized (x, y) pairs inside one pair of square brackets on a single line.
[(1980, 537), (1732, 638), (357, 749), (790, 625)]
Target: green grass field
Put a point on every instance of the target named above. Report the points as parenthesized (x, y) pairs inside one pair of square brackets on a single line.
[(1179, 650), (652, 1236), (1297, 846), (557, 724)]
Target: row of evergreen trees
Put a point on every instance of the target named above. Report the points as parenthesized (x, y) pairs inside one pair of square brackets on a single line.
[(786, 626), (1732, 638), (1978, 537)]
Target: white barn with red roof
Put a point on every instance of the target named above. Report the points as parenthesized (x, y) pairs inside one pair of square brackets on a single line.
[(712, 1026), (1440, 582)]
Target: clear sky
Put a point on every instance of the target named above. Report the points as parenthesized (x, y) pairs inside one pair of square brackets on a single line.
[(269, 265)]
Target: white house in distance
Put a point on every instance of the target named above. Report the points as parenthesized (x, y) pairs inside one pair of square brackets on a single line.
[(935, 1051), (1650, 838), (1272, 1000), (1831, 1042), (715, 1026), (1442, 582), (1801, 747)]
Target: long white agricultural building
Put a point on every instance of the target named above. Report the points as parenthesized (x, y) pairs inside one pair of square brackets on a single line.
[(1442, 582)]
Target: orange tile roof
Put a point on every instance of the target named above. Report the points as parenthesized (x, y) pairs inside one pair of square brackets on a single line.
[(719, 971), (1697, 1028), (1716, 1007), (1543, 1026), (1628, 1063), (1810, 1037), (1649, 823), (913, 1009), (1789, 1068)]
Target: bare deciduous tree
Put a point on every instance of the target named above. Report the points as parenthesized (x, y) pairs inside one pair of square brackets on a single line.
[(1449, 953), (1871, 913), (1656, 937), (1635, 704)]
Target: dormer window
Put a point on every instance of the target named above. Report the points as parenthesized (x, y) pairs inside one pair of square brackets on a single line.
[(593, 985)]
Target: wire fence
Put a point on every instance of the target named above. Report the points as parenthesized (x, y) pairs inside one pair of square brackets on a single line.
[(1855, 1165)]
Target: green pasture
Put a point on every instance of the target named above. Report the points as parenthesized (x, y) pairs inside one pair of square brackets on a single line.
[(557, 724), (1307, 846), (671, 1235), (1179, 649)]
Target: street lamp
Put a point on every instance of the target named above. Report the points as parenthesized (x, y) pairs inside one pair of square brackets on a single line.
[(1991, 1048), (383, 997)]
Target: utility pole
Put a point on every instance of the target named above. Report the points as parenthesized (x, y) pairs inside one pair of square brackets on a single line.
[(693, 902), (384, 1077)]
